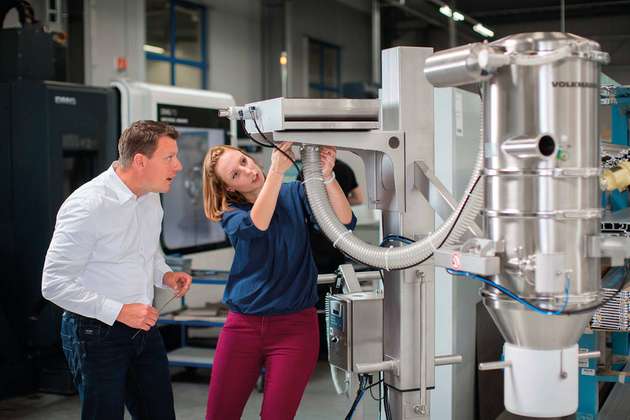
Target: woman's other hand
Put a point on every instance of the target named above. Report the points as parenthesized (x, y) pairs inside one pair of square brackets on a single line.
[(327, 156)]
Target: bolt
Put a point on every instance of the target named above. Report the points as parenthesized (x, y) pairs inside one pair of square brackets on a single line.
[(420, 409)]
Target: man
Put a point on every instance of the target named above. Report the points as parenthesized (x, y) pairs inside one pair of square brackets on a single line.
[(103, 261), (348, 181)]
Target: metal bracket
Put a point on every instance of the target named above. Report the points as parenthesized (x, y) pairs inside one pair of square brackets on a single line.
[(437, 194), (477, 255), (351, 282), (617, 248), (372, 147)]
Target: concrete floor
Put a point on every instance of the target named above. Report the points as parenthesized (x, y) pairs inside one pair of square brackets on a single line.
[(320, 401)]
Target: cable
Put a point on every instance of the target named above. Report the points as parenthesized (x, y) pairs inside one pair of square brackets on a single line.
[(406, 240), (472, 190), (399, 238), (379, 390), (270, 146), (381, 375), (363, 378), (622, 283), (513, 295), (388, 410), (269, 143), (253, 114)]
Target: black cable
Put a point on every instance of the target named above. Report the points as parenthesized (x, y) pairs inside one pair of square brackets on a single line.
[(380, 395), (269, 143), (270, 146), (379, 391), (357, 399), (388, 410), (472, 190), (252, 112)]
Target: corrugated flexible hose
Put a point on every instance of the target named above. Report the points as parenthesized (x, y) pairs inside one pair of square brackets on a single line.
[(388, 258)]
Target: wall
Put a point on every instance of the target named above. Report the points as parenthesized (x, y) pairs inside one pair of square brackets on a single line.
[(346, 27), (117, 28), (113, 28), (346, 24), (456, 147), (234, 31)]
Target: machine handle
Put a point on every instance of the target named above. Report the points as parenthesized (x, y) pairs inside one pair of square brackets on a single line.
[(449, 359), (495, 365)]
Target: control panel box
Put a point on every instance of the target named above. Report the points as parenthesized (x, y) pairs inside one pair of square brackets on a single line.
[(355, 329)]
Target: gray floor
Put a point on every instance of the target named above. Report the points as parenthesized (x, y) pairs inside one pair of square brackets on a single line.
[(319, 403)]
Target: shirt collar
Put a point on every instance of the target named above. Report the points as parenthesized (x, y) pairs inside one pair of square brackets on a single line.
[(122, 191)]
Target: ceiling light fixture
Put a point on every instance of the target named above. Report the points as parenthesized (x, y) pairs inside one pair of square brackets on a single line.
[(482, 30)]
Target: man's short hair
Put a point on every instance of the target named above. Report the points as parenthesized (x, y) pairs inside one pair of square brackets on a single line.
[(142, 137)]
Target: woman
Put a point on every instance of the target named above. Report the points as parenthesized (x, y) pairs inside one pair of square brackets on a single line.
[(272, 287)]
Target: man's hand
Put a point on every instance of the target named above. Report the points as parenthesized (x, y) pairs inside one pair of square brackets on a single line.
[(138, 315), (178, 281)]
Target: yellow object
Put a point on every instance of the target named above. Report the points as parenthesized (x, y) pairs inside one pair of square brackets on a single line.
[(616, 178)]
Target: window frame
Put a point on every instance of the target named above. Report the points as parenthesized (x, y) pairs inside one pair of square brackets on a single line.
[(322, 86), (171, 57)]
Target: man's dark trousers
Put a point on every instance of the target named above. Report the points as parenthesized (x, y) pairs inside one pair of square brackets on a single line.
[(111, 369)]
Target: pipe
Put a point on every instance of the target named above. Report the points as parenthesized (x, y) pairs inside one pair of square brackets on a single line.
[(390, 258), (495, 365), (589, 355), (455, 66), (376, 367), (523, 148), (450, 359), (362, 276)]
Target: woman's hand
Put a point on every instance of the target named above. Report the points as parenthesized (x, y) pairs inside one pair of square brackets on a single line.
[(265, 204), (327, 156), (279, 162)]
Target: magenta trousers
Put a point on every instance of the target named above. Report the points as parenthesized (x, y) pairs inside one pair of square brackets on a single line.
[(287, 346)]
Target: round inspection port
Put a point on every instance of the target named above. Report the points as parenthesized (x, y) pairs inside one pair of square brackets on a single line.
[(546, 145)]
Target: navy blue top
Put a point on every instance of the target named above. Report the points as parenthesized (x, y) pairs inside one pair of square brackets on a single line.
[(273, 271)]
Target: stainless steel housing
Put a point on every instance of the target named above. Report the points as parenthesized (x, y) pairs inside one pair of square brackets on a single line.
[(541, 174), (541, 183)]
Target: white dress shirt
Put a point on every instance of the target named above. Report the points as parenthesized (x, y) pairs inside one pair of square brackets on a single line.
[(105, 250)]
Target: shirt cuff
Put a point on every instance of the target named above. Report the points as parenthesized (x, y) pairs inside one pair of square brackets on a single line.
[(353, 222), (159, 272), (109, 311)]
